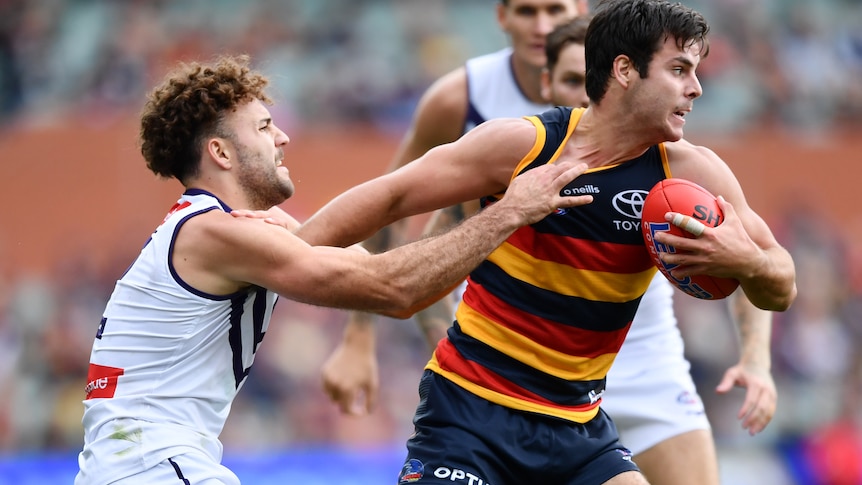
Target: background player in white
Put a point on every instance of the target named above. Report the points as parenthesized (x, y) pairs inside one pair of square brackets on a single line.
[(181, 329), (667, 431)]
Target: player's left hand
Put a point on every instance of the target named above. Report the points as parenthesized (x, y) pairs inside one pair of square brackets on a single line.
[(273, 215), (761, 395), (724, 251)]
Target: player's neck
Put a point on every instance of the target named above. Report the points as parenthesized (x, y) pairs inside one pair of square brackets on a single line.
[(597, 140), (227, 192), (529, 80)]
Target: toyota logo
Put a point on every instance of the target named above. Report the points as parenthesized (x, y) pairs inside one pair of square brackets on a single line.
[(630, 203)]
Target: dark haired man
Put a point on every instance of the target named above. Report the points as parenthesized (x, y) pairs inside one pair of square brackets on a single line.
[(512, 393)]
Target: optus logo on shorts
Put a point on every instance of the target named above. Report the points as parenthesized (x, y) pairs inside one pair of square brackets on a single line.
[(458, 476), (102, 381)]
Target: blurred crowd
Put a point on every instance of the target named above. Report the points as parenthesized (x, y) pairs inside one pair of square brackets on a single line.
[(795, 64)]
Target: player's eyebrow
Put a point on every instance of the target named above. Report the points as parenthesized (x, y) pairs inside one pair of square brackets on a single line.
[(683, 60)]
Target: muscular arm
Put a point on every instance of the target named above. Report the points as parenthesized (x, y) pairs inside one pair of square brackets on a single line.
[(742, 247), (435, 320), (479, 163), (218, 253)]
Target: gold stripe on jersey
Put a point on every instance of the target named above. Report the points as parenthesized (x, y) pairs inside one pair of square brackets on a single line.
[(510, 401), (539, 357), (535, 151), (662, 150)]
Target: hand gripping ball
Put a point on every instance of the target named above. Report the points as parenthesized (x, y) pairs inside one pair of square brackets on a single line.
[(690, 199)]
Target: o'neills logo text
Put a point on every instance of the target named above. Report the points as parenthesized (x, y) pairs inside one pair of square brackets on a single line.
[(587, 189), (102, 381)]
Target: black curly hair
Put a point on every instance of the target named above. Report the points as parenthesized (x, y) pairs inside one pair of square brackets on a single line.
[(188, 106)]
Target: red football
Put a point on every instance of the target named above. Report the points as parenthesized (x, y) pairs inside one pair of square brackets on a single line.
[(688, 198)]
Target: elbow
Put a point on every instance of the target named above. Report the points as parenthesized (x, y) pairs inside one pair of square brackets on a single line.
[(399, 313), (413, 307), (775, 289), (777, 303), (784, 303), (407, 303), (395, 302)]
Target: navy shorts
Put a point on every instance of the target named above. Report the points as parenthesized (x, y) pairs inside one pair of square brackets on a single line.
[(461, 438)]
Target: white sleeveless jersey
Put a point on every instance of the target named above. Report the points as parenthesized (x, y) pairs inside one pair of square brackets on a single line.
[(494, 93), (167, 360), (654, 337)]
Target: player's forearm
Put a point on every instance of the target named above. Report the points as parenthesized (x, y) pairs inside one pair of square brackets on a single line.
[(772, 285), (754, 327), (421, 272)]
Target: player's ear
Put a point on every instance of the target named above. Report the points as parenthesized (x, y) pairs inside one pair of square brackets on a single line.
[(220, 151), (546, 85), (622, 70)]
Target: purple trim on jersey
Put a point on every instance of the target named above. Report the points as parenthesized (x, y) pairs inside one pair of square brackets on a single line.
[(258, 316), (514, 78), (173, 270), (179, 472), (204, 192), (234, 337)]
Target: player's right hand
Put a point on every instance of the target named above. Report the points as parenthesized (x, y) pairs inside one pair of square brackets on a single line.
[(351, 379)]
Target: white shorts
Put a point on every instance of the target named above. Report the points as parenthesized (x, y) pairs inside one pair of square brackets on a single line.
[(656, 404), (192, 467)]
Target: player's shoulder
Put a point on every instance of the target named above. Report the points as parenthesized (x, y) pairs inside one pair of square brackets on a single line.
[(442, 111), (685, 157), (684, 149), (445, 101), (448, 89), (208, 226), (703, 166)]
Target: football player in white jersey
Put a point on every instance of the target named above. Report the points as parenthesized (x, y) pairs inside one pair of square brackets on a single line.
[(667, 431), (182, 326)]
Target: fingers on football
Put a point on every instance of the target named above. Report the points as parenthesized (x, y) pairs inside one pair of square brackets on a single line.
[(688, 223)]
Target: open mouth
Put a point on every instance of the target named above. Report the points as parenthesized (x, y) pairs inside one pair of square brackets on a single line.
[(680, 114)]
